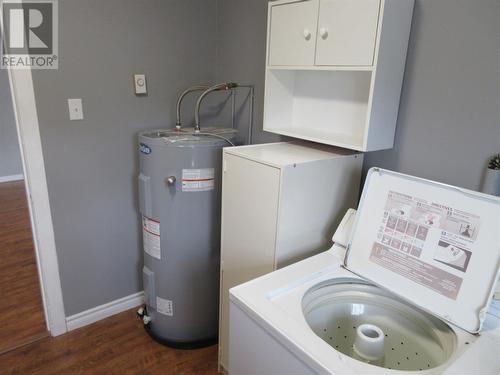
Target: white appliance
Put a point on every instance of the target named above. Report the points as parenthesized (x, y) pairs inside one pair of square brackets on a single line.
[(383, 299), (269, 219)]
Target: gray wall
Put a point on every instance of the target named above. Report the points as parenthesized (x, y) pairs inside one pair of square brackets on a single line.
[(241, 56), (449, 122), (449, 118), (91, 165), (10, 157)]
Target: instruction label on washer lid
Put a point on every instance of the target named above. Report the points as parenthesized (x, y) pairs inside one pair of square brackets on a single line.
[(151, 237), (427, 242), (433, 244), (164, 306), (195, 180)]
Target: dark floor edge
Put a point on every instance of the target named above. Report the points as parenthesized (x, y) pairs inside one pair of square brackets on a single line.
[(198, 344)]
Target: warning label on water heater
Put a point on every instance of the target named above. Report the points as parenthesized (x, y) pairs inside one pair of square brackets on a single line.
[(164, 306), (194, 180), (151, 237)]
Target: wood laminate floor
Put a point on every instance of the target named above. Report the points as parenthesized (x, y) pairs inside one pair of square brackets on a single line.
[(116, 345), (21, 311)]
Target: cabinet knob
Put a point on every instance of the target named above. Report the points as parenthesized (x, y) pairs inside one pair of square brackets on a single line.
[(323, 33), (307, 34)]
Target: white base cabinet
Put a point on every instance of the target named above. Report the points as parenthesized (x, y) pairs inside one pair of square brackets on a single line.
[(281, 203)]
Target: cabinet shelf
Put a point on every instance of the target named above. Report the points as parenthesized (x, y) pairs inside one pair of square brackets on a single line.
[(352, 142), (329, 107), (323, 68)]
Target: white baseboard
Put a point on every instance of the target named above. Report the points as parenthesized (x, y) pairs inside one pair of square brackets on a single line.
[(16, 177), (104, 311)]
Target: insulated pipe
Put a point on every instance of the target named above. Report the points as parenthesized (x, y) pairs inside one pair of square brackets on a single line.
[(178, 124), (218, 87)]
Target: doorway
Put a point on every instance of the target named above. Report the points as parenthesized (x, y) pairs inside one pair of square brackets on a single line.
[(21, 306)]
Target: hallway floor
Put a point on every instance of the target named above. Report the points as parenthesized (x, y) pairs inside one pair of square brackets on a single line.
[(20, 303), (116, 345)]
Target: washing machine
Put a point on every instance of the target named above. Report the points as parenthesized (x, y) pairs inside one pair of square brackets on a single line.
[(391, 296)]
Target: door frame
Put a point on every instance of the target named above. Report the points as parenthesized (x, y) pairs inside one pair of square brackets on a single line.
[(26, 116)]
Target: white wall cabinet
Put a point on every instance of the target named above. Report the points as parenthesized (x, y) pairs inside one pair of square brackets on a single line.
[(323, 32), (280, 203), (335, 70)]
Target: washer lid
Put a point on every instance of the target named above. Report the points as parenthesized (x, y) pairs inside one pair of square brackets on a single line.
[(435, 245)]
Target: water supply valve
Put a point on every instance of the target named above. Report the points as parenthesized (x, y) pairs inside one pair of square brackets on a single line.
[(141, 312), (170, 181)]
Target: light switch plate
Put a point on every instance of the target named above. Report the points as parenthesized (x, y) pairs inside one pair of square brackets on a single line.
[(75, 109), (140, 84)]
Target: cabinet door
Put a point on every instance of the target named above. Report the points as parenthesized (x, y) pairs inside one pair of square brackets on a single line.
[(250, 193), (292, 39), (347, 31)]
